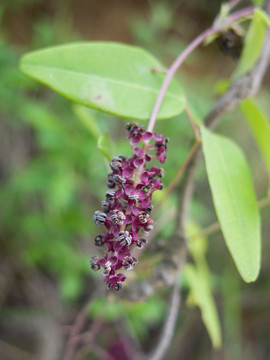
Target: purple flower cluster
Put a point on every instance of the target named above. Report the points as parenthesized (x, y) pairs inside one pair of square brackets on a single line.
[(127, 206)]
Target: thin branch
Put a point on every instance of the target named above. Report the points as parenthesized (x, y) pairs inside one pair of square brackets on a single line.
[(169, 326), (77, 327), (211, 229), (178, 175), (188, 50), (193, 124)]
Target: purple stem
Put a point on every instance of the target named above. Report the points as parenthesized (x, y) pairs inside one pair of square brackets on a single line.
[(182, 57)]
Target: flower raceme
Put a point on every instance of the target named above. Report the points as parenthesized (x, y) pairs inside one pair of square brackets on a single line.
[(127, 206)]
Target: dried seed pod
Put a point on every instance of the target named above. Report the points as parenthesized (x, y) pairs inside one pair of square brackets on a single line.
[(110, 194), (111, 181), (94, 263), (231, 43), (141, 242), (99, 241), (149, 209), (122, 157), (117, 286), (120, 180), (130, 127), (116, 163), (99, 218), (161, 172)]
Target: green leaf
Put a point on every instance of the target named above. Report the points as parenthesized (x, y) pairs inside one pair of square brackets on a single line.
[(259, 127), (252, 48), (197, 244), (105, 146), (110, 77), (235, 201), (201, 296), (260, 13)]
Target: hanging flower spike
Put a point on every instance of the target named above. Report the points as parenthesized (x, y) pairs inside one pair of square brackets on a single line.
[(127, 206)]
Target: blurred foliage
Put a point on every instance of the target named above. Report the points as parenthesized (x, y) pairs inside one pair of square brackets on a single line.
[(53, 177)]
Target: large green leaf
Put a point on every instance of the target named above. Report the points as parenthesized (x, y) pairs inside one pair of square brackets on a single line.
[(260, 128), (235, 201), (200, 295), (111, 77)]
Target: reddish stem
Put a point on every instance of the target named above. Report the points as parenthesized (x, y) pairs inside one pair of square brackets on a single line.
[(182, 57)]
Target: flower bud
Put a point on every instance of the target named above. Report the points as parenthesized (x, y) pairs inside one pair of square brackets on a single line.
[(111, 181), (116, 163), (110, 194), (99, 218), (143, 217), (141, 242), (106, 206), (94, 263), (99, 240)]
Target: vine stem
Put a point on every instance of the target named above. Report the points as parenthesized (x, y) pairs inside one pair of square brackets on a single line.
[(211, 229), (179, 174), (188, 50)]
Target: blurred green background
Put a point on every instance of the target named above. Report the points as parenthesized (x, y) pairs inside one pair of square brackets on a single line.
[(53, 177)]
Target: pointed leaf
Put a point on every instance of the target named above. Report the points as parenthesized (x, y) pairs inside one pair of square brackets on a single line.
[(252, 48), (263, 16), (201, 296), (111, 77), (234, 200), (260, 128)]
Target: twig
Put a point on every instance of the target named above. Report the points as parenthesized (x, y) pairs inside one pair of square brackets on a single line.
[(178, 175), (246, 86), (169, 325), (211, 229), (194, 126), (77, 327), (188, 50)]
